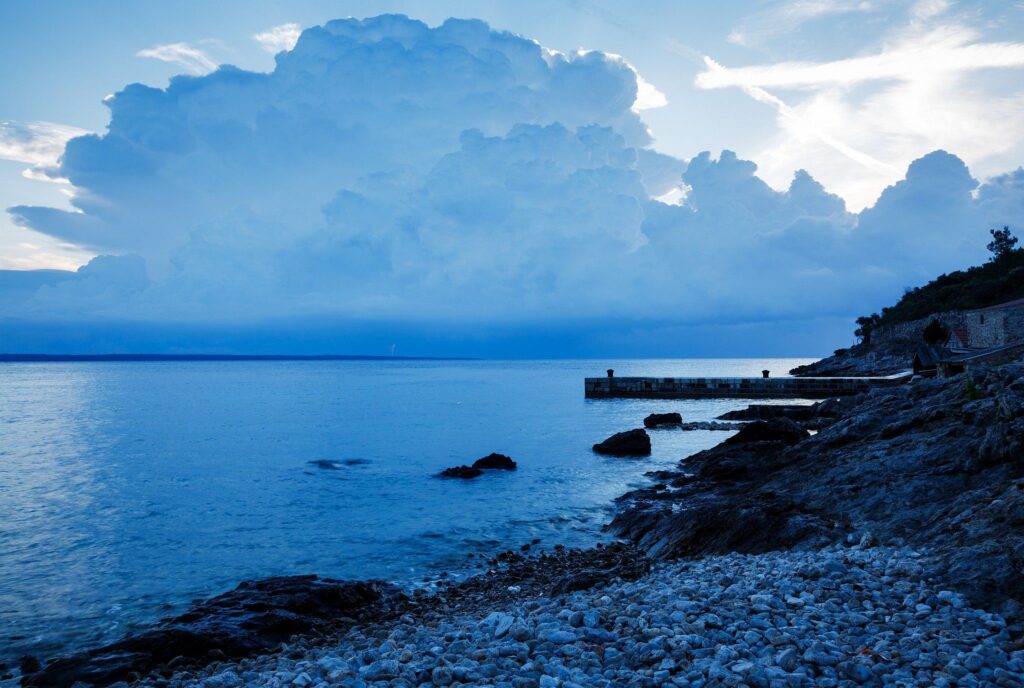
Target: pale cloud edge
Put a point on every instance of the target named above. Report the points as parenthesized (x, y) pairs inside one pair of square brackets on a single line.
[(188, 57), (278, 38)]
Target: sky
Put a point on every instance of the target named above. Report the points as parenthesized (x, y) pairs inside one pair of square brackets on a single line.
[(542, 178)]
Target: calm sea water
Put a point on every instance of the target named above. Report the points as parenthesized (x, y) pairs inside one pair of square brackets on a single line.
[(129, 489)]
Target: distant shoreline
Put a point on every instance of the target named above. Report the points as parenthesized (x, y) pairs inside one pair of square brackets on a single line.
[(87, 358)]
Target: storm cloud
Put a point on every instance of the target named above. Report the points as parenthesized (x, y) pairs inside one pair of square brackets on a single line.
[(390, 172)]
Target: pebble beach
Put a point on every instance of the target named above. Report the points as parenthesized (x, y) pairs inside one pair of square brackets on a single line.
[(843, 616)]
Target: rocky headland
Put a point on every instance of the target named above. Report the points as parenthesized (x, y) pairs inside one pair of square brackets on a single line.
[(872, 540)]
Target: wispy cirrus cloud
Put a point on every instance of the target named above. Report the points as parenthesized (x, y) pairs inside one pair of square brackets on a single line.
[(933, 82), (946, 51), (40, 144), (787, 16), (278, 38), (189, 58)]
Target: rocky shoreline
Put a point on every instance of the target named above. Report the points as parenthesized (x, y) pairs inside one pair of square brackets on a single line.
[(885, 548)]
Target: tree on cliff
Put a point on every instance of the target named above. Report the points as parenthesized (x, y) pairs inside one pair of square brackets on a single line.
[(865, 324), (1003, 243)]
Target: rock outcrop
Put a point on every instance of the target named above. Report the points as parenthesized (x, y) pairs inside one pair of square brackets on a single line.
[(795, 412), (629, 443), (491, 462), (463, 472), (495, 462), (256, 617), (936, 464), (858, 362), (663, 420)]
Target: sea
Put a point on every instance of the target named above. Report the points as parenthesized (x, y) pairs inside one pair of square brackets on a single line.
[(130, 489)]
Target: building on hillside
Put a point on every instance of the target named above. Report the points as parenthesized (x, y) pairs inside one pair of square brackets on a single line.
[(976, 338), (997, 325)]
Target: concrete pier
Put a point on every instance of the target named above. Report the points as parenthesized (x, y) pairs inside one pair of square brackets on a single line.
[(734, 387)]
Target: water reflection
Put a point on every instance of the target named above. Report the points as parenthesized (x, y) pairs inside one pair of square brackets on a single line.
[(129, 489)]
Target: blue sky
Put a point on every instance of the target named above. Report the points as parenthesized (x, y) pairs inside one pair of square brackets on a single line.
[(853, 92)]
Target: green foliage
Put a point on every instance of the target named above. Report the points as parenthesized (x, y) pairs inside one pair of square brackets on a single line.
[(865, 324), (1003, 243), (994, 282), (971, 391)]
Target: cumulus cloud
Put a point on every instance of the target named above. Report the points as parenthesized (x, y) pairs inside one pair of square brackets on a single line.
[(278, 38), (461, 177), (191, 59)]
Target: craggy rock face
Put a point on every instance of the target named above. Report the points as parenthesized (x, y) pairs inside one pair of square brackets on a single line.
[(629, 443), (256, 617), (935, 464)]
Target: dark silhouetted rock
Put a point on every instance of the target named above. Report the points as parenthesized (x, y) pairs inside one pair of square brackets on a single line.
[(777, 430), (630, 443), (495, 461), (28, 665), (464, 472), (661, 420), (256, 617)]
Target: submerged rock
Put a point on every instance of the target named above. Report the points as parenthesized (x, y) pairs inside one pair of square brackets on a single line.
[(661, 420), (495, 461), (256, 617), (629, 443), (710, 425), (325, 464)]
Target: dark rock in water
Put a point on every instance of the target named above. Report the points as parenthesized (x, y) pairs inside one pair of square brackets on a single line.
[(629, 443), (497, 461), (28, 665), (325, 464), (660, 420), (778, 430), (256, 617), (464, 472)]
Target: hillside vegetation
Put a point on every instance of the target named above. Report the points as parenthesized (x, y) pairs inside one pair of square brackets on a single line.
[(985, 285)]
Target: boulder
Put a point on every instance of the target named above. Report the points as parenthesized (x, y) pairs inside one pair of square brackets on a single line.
[(464, 472), (254, 618), (629, 443), (661, 420), (495, 461)]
